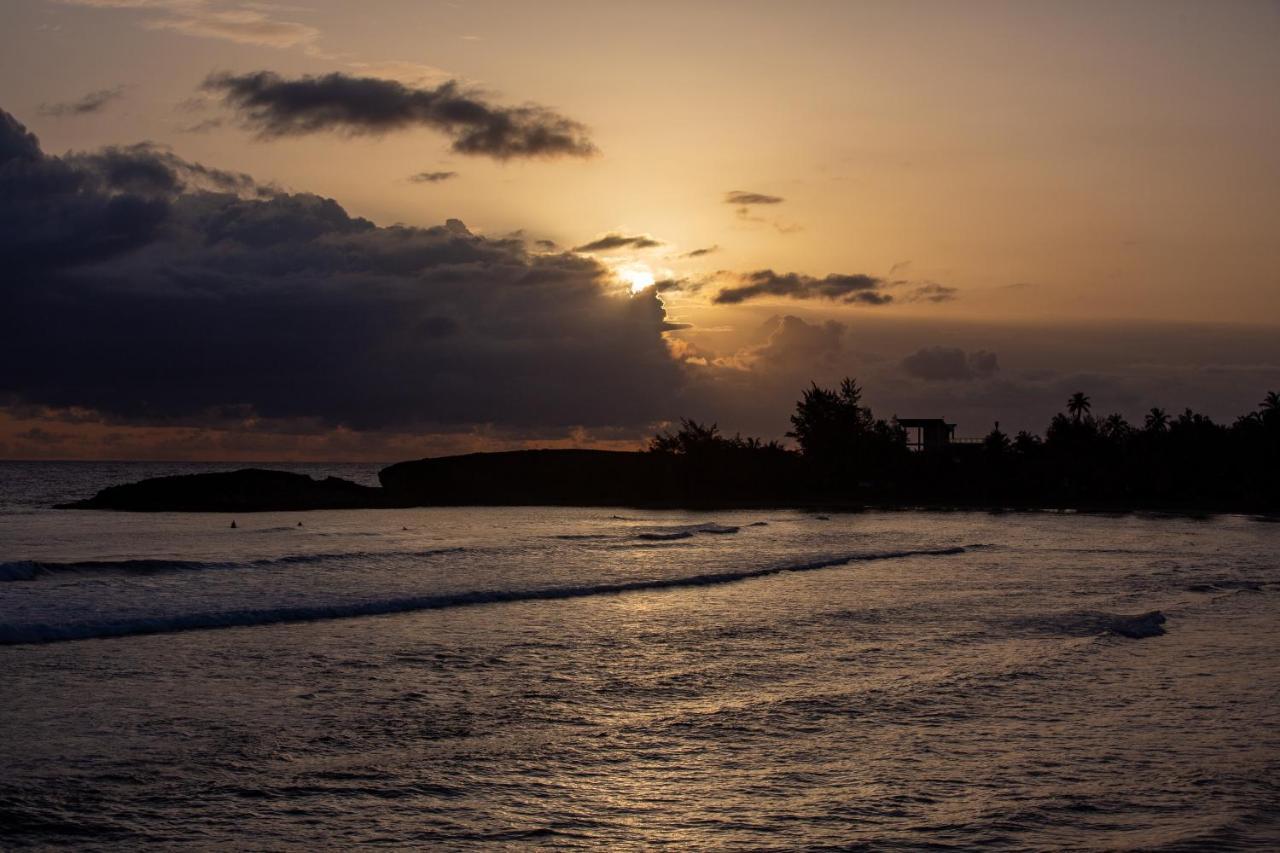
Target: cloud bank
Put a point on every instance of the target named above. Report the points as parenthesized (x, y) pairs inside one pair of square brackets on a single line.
[(274, 107), (153, 290)]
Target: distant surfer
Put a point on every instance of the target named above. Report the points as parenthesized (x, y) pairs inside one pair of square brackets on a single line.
[(233, 524)]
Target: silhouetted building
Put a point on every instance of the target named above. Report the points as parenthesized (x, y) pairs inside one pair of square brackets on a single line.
[(927, 433)]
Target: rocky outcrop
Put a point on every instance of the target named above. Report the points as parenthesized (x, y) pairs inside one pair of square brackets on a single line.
[(521, 477), (594, 478), (247, 490)]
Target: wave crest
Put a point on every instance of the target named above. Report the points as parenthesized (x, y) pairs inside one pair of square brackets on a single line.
[(101, 629), (29, 570)]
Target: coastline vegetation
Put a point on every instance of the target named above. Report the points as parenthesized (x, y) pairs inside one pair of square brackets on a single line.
[(844, 457), (843, 452)]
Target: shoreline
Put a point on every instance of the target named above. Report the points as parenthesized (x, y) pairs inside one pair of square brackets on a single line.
[(1268, 515), (620, 480)]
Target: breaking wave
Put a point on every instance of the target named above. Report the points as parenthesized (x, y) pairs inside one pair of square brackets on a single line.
[(666, 534), (29, 570), (659, 534), (15, 634)]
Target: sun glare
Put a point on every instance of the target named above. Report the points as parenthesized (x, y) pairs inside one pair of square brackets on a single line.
[(638, 276)]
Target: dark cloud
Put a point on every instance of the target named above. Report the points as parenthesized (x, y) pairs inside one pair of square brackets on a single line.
[(619, 241), (856, 288), (930, 292), (157, 291), (677, 284), (63, 212), (740, 198), (685, 285), (698, 253), (90, 103), (545, 245), (149, 169), (938, 364), (432, 177), (274, 107)]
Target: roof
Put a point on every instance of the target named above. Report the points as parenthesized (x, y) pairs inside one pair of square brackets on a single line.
[(924, 422)]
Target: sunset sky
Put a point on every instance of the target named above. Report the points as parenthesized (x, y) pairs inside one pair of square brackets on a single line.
[(394, 229)]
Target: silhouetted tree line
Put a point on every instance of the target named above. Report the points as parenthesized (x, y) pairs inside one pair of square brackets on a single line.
[(845, 453)]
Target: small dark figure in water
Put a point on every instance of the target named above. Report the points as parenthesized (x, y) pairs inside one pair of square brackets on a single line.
[(299, 523), (233, 524)]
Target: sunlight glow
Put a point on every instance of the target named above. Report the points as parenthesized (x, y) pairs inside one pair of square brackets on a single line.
[(637, 276)]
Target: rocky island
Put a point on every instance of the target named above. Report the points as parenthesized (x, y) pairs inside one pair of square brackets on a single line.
[(247, 490)]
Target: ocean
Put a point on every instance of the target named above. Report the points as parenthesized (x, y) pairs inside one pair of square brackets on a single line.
[(564, 678)]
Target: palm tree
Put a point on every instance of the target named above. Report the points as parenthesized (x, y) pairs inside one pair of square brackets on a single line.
[(1078, 405), (996, 443), (1269, 409), (1026, 442), (1157, 420), (1115, 426)]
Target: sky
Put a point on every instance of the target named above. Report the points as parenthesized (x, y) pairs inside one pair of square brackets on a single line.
[(329, 230)]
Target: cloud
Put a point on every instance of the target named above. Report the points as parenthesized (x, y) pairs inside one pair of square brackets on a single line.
[(614, 240), (698, 253), (244, 26), (154, 291), (412, 73), (793, 344), (245, 23), (849, 289), (930, 292), (276, 107), (432, 177), (919, 291), (744, 201), (740, 198), (203, 126), (148, 169), (86, 105), (938, 364)]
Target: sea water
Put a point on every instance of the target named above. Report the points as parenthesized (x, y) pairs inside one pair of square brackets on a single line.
[(625, 679)]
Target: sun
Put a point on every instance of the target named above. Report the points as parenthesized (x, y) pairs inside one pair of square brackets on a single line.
[(638, 276)]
